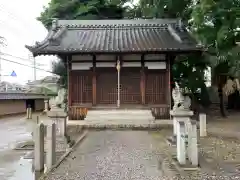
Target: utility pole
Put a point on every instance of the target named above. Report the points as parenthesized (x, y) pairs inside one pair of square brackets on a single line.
[(0, 68), (34, 66), (35, 70)]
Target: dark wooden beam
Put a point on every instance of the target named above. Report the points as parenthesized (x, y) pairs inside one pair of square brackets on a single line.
[(143, 81), (172, 59), (169, 62), (69, 69), (94, 82)]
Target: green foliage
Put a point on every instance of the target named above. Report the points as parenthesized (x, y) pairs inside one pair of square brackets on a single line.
[(164, 8), (215, 24), (188, 71), (82, 9), (58, 67)]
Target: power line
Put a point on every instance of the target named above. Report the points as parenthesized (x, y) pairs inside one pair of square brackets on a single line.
[(15, 17), (24, 59), (27, 65)]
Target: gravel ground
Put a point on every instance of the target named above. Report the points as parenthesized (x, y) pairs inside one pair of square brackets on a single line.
[(222, 156), (109, 155)]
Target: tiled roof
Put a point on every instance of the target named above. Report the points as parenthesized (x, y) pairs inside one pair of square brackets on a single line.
[(8, 96), (121, 36)]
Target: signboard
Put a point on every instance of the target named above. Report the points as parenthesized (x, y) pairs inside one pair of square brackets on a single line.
[(13, 74)]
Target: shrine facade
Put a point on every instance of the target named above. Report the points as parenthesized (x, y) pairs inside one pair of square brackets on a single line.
[(118, 63)]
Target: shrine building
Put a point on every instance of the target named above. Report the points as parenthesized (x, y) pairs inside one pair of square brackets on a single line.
[(118, 63)]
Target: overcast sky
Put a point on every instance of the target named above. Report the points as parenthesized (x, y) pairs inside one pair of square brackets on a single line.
[(19, 26)]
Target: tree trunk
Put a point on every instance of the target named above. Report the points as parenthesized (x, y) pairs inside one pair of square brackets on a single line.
[(220, 95)]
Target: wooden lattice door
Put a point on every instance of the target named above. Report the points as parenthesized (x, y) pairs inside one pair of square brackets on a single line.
[(130, 86), (107, 86), (81, 87), (155, 87)]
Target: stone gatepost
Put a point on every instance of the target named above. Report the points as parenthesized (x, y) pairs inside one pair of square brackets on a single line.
[(203, 124), (29, 113), (46, 105), (51, 145), (193, 144), (181, 145), (180, 115), (39, 147), (59, 117)]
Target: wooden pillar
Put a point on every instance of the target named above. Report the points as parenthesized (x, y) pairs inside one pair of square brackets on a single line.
[(94, 82), (143, 80), (171, 59), (168, 80), (69, 63)]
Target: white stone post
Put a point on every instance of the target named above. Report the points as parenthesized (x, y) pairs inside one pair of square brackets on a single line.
[(27, 113), (193, 147), (39, 148), (30, 113), (203, 124), (51, 145), (174, 126), (34, 124), (181, 146), (45, 105), (180, 115), (63, 126), (59, 117)]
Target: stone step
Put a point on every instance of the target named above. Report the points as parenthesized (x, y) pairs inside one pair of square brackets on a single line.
[(119, 115), (122, 119), (106, 115), (119, 111)]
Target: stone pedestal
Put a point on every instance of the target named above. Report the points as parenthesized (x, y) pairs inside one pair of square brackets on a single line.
[(39, 148), (51, 145), (181, 147), (179, 115), (203, 124), (58, 117), (192, 144)]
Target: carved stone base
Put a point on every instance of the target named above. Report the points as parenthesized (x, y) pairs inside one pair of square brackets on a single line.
[(186, 167)]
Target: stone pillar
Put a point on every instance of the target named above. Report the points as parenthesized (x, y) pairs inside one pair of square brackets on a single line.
[(180, 115), (193, 146), (203, 124), (181, 146), (175, 127), (45, 105), (39, 147), (58, 116), (51, 145), (30, 113), (34, 124), (27, 113)]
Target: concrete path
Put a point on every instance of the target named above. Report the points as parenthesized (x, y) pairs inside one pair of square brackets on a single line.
[(13, 130), (109, 155)]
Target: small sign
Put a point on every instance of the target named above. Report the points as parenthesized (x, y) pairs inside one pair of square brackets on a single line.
[(13, 74)]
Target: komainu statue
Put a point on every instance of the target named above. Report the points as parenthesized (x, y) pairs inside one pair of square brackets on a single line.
[(181, 102)]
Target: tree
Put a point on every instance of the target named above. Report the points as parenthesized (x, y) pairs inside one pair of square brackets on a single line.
[(165, 8), (215, 24), (188, 70), (82, 9), (59, 69)]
